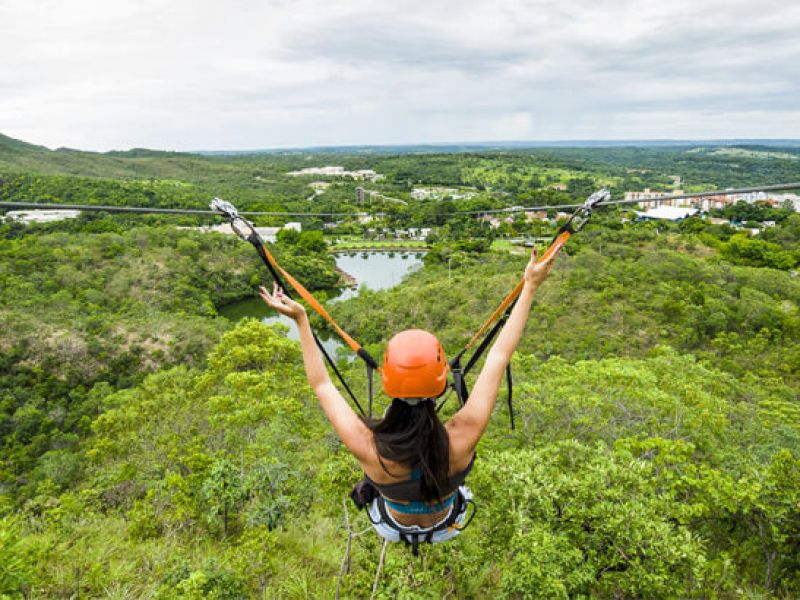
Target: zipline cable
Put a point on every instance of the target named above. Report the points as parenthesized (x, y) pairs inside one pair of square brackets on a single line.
[(171, 211), (513, 209)]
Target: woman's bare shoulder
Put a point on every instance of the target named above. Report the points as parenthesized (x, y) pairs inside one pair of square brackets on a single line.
[(461, 447), (385, 471)]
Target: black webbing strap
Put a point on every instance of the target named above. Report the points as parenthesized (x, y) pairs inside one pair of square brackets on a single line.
[(459, 383), (340, 376), (460, 373), (509, 394), (372, 366), (256, 241), (486, 342), (370, 372)]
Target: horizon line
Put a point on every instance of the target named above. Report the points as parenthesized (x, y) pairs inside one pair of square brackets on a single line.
[(500, 144), (497, 144)]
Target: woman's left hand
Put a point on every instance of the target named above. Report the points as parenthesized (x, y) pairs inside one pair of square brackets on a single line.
[(536, 272), (281, 302)]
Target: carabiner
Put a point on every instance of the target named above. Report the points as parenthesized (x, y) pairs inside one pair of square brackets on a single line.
[(229, 210), (584, 213)]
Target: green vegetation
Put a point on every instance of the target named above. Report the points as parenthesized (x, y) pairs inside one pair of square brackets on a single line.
[(87, 309), (151, 448)]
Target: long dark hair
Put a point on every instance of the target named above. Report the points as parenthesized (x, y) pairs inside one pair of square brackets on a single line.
[(415, 437)]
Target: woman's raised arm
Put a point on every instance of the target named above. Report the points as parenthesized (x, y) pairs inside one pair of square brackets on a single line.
[(468, 424), (353, 432)]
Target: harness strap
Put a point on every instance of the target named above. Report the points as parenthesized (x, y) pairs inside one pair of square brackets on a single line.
[(509, 394), (496, 322), (574, 224), (369, 361), (459, 381), (370, 372), (412, 537), (308, 297), (507, 302), (264, 254), (460, 373), (487, 341)]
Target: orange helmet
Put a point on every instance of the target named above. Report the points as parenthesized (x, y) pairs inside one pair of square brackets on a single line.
[(414, 366)]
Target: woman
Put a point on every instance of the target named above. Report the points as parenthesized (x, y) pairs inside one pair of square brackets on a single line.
[(415, 465)]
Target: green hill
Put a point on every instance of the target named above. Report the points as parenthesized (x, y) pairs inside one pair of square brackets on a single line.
[(9, 143), (18, 156)]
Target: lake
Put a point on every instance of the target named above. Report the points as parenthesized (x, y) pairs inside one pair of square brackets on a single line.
[(374, 270)]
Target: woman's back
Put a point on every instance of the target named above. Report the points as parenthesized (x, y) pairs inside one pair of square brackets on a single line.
[(387, 472), (396, 483)]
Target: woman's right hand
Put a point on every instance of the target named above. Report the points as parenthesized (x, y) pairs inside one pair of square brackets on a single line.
[(536, 272), (281, 302)]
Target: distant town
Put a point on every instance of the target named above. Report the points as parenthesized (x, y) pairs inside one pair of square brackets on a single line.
[(654, 205)]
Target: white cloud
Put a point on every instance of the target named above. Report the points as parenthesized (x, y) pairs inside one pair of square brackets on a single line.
[(201, 74)]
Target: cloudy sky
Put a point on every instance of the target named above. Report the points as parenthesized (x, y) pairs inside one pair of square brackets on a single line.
[(242, 74)]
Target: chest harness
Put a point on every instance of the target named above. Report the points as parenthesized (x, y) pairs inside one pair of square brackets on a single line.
[(367, 491)]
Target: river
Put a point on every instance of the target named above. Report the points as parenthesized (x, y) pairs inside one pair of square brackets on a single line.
[(374, 270)]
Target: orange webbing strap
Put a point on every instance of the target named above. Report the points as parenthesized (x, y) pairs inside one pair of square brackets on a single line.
[(560, 240), (313, 302)]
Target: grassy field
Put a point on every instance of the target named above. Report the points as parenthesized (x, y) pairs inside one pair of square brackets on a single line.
[(500, 245)]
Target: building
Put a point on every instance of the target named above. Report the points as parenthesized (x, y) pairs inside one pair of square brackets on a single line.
[(361, 195), (442, 192), (707, 203), (40, 216), (667, 213), (722, 200), (793, 198), (432, 192), (718, 221), (750, 197), (365, 174), (333, 171), (268, 234), (536, 215), (495, 222), (640, 197), (419, 233), (649, 198)]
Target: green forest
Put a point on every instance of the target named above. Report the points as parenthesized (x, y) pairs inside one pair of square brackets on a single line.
[(151, 448)]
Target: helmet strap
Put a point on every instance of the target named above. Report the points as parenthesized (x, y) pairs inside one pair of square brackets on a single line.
[(414, 401)]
